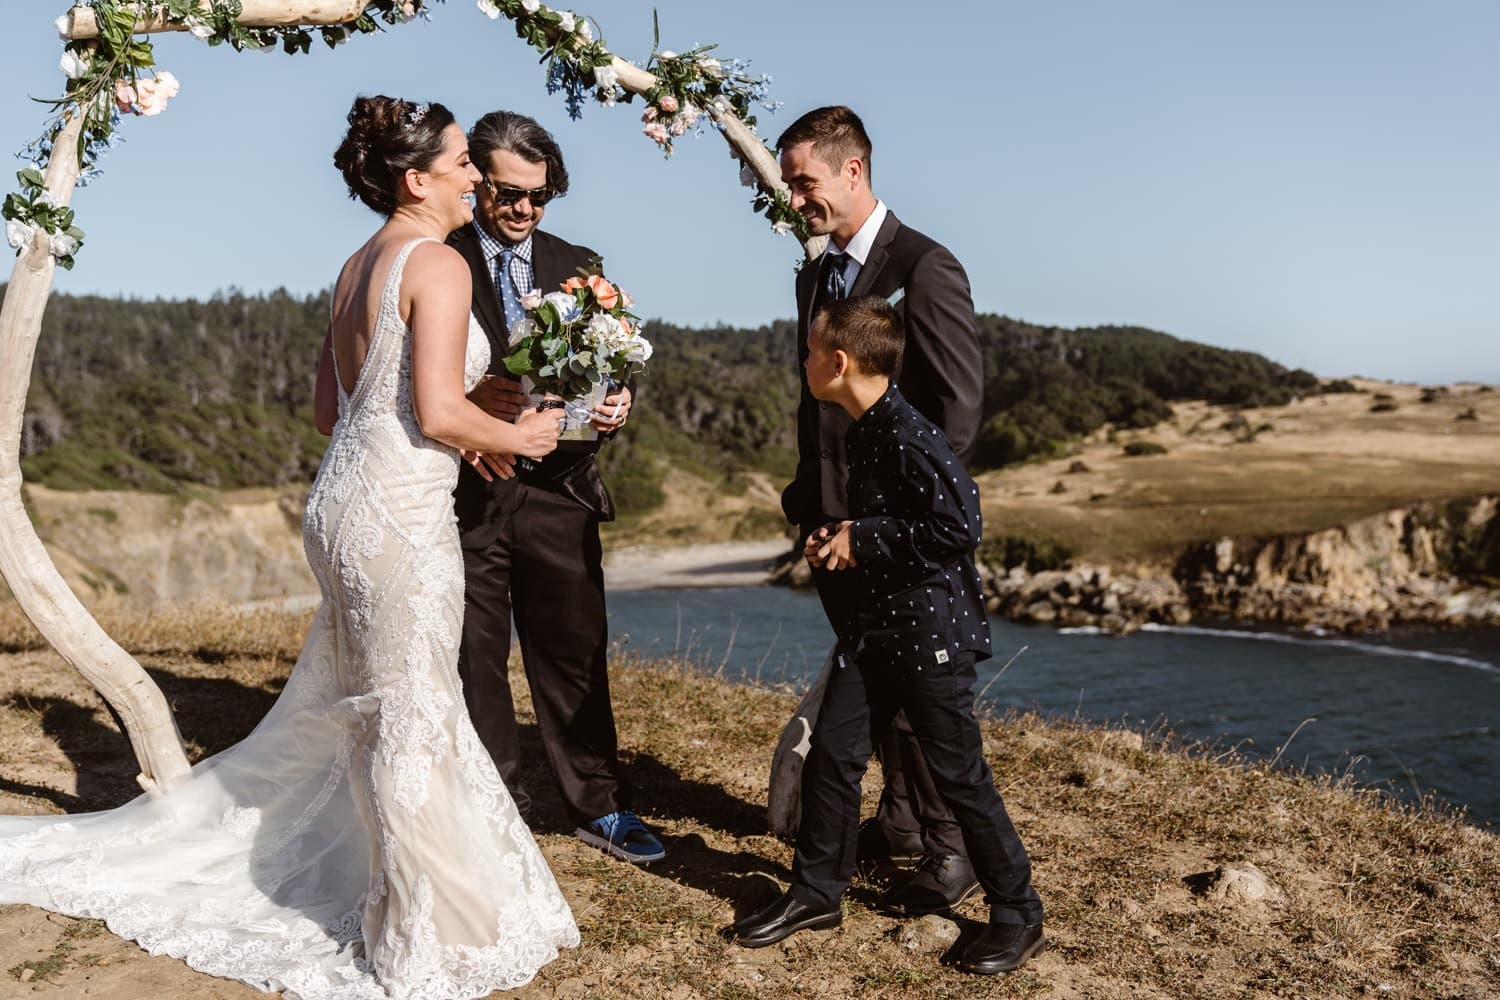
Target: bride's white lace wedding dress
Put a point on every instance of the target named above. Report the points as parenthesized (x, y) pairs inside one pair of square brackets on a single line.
[(359, 843)]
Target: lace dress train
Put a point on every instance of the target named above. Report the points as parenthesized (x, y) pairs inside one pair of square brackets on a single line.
[(359, 843)]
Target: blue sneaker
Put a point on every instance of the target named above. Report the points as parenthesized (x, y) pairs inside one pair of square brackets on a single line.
[(623, 835)]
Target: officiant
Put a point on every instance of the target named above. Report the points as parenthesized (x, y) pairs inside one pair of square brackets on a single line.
[(531, 543)]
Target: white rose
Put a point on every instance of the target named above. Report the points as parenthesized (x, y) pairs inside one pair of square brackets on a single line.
[(566, 23), (602, 329), (710, 67), (489, 10), (565, 304), (64, 25), (522, 329), (18, 234), (584, 31), (531, 6), (63, 245), (531, 299), (606, 77), (72, 66), (640, 351)]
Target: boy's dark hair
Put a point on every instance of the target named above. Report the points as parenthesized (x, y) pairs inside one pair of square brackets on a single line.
[(836, 134), (868, 329)]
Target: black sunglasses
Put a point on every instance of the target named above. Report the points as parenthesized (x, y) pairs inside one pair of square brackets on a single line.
[(506, 196)]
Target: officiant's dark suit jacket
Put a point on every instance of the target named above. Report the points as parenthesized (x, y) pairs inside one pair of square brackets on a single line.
[(942, 376), (532, 554), (571, 470)]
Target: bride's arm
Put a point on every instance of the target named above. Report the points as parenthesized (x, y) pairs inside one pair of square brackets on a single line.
[(439, 286)]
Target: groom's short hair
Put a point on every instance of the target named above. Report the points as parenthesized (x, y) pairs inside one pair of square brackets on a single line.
[(509, 132), (836, 134), (868, 329)]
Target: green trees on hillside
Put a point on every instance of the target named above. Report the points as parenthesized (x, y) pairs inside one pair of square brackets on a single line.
[(155, 395)]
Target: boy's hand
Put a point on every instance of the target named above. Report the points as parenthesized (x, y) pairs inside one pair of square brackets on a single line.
[(815, 542), (838, 552)]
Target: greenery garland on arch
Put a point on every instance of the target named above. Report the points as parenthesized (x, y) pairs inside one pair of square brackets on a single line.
[(114, 74)]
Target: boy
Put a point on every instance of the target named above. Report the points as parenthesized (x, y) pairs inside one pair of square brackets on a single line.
[(911, 643)]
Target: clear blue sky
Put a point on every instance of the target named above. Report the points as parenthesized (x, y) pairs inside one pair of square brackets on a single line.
[(1318, 182)]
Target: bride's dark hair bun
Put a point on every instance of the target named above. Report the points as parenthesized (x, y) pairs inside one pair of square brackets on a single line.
[(387, 137)]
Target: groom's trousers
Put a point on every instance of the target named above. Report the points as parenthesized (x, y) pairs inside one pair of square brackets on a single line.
[(544, 568), (864, 693)]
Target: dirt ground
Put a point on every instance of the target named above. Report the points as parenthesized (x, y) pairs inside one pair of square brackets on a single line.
[(1126, 833)]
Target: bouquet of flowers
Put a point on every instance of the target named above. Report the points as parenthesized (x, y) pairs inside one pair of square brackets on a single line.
[(576, 343)]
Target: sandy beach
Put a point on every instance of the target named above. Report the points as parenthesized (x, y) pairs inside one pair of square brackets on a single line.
[(714, 564)]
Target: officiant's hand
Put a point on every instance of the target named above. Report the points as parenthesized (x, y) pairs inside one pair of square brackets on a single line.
[(612, 410), (837, 552), (491, 465), (500, 397)]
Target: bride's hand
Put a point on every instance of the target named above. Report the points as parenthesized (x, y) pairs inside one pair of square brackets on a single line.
[(489, 465), (539, 429)]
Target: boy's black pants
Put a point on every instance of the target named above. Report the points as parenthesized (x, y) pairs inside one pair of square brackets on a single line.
[(864, 693)]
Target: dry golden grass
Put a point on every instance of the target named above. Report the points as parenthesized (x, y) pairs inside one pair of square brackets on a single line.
[(1382, 899)]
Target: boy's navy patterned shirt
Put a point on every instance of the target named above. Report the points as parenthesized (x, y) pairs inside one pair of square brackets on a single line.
[(916, 526)]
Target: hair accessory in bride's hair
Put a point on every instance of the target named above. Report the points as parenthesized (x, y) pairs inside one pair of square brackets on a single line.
[(414, 115)]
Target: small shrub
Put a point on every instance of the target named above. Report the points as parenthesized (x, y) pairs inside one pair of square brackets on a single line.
[(1384, 406), (1468, 414), (1432, 394), (1035, 553), (1339, 385), (1138, 448)]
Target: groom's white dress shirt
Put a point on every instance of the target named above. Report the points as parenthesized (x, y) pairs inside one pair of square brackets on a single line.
[(859, 246)]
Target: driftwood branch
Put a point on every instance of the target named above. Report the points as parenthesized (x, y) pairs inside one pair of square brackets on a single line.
[(745, 143), (83, 24), (38, 587)]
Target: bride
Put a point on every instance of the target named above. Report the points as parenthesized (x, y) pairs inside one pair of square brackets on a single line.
[(359, 842)]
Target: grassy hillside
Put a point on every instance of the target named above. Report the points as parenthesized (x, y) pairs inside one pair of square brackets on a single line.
[(1129, 833)]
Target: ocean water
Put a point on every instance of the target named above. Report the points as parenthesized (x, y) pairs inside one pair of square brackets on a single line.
[(1415, 713)]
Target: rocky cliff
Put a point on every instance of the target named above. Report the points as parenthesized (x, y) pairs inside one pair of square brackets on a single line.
[(1430, 563)]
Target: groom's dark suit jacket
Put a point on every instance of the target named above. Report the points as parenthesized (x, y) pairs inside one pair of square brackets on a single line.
[(572, 469), (941, 373)]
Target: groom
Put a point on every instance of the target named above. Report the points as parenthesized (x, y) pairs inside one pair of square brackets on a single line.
[(825, 161), (531, 544)]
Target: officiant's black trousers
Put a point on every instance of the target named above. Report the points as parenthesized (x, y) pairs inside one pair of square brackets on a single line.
[(909, 801), (864, 693), (545, 568)]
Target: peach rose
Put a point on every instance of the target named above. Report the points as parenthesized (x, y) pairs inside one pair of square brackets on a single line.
[(154, 94), (573, 284), (668, 104), (607, 295), (124, 96)]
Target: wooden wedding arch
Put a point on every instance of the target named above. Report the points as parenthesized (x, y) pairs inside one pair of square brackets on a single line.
[(38, 587)]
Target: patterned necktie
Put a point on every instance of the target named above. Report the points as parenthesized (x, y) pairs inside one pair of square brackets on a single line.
[(833, 276), (506, 287)]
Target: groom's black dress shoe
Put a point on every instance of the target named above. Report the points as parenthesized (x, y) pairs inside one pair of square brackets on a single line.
[(781, 920), (1002, 948), (941, 882)]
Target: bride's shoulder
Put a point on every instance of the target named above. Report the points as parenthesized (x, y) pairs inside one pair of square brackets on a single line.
[(434, 261)]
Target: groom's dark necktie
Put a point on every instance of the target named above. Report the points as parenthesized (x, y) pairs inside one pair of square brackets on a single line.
[(832, 284)]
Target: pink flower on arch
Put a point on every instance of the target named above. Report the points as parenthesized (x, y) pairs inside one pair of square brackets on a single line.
[(124, 97), (154, 94)]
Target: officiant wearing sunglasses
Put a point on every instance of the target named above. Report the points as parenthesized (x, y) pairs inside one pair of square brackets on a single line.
[(531, 543)]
